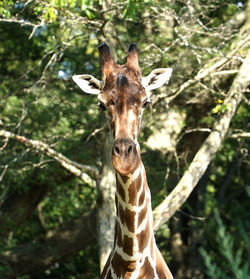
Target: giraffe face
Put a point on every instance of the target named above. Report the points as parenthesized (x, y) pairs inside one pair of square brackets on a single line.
[(123, 93), (124, 99), (123, 96)]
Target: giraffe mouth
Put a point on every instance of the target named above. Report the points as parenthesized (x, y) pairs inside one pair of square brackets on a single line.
[(125, 156)]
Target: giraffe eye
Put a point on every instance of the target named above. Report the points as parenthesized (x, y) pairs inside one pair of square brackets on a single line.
[(146, 104), (102, 106)]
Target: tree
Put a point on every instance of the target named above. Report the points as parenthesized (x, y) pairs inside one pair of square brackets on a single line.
[(52, 168)]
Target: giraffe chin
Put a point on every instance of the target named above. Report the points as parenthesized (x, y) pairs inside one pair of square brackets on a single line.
[(124, 166)]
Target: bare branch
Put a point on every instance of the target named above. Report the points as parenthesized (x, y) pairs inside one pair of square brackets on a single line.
[(206, 130), (41, 218), (72, 166), (95, 132), (23, 23), (205, 71), (18, 21), (226, 72), (240, 135)]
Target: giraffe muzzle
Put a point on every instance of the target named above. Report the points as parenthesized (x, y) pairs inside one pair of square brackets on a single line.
[(124, 155), (124, 148)]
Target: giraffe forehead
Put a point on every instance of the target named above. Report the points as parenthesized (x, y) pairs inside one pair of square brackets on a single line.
[(123, 86), (121, 81)]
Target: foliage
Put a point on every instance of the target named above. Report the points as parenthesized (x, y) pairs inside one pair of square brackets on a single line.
[(234, 257), (43, 43)]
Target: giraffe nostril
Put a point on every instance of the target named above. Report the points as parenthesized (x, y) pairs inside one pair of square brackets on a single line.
[(123, 148), (117, 150), (129, 149)]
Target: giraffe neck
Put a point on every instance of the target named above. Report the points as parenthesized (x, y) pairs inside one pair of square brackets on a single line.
[(134, 254), (134, 215), (134, 244)]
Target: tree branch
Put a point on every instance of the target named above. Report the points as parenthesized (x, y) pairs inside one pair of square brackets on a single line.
[(21, 22), (205, 154), (240, 135), (204, 72), (72, 166)]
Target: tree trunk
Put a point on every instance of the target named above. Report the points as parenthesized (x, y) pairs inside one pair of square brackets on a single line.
[(106, 203), (107, 186)]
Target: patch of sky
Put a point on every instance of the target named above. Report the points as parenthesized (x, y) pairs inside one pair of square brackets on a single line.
[(40, 30), (240, 4), (88, 66), (65, 71), (19, 5)]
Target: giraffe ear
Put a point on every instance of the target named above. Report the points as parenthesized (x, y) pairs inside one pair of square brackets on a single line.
[(157, 78), (88, 83)]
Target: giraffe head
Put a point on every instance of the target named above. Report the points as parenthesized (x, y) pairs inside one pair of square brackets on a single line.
[(124, 94)]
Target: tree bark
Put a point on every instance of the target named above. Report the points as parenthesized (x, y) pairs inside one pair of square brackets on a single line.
[(107, 186), (106, 203)]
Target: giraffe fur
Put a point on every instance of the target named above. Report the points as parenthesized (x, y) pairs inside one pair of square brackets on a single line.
[(124, 94)]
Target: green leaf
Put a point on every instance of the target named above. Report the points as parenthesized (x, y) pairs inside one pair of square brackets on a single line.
[(89, 14)]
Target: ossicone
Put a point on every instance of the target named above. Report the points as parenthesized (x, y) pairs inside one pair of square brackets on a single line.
[(132, 58), (103, 47), (107, 62), (132, 47)]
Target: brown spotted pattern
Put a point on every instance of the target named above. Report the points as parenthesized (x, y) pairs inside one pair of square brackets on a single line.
[(134, 254)]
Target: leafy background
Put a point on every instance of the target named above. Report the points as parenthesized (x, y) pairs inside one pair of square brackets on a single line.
[(43, 43)]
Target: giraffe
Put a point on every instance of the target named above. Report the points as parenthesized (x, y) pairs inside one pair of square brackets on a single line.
[(124, 94)]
